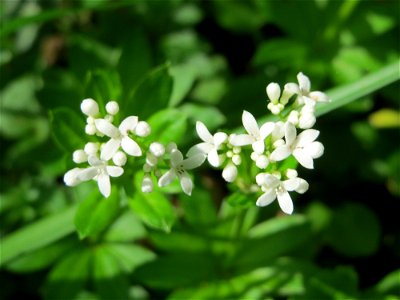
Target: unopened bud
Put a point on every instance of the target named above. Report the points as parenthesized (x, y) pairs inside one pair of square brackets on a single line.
[(273, 92), (79, 156), (147, 184), (119, 158), (157, 149), (90, 107), (142, 129), (112, 107), (229, 173)]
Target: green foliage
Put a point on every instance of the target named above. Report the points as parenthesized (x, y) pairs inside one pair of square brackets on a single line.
[(173, 63)]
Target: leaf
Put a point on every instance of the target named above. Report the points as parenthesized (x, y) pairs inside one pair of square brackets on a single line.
[(354, 230), (370, 83), (96, 213), (68, 129), (283, 234), (108, 278), (67, 278), (38, 234), (154, 209), (41, 258), (184, 77), (172, 271), (103, 86), (126, 228), (167, 126), (150, 95), (209, 115)]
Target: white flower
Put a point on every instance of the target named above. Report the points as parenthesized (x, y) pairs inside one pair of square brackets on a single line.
[(178, 168), (274, 188), (210, 145), (100, 171), (255, 136), (303, 147), (305, 96), (119, 137)]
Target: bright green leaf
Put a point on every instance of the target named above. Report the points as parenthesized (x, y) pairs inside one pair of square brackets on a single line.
[(167, 126)]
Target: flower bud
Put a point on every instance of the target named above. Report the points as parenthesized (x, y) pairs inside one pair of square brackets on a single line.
[(236, 159), (90, 107), (112, 107), (91, 148), (142, 129), (254, 156), (229, 173), (90, 129), (294, 117), (302, 187), (291, 173), (151, 159), (79, 156), (119, 158), (262, 162), (307, 120), (157, 149), (71, 177), (273, 92), (147, 184)]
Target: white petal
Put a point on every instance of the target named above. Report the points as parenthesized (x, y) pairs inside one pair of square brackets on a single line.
[(258, 146), (266, 198), (280, 153), (71, 177), (193, 161), (203, 132), (266, 129), (304, 82), (109, 149), (219, 138), (315, 149), (306, 137), (285, 202), (114, 171), (273, 91), (250, 124), (176, 157), (303, 158), (130, 146), (94, 161), (106, 128), (241, 140), (291, 88), (128, 123), (319, 96), (291, 184), (87, 174), (290, 133), (166, 178), (200, 148), (303, 186), (229, 173), (186, 183), (213, 158), (103, 181)]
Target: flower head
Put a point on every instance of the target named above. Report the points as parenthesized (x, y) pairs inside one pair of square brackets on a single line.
[(255, 136), (178, 169), (210, 145)]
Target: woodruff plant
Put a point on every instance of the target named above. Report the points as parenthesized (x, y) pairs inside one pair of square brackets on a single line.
[(259, 161)]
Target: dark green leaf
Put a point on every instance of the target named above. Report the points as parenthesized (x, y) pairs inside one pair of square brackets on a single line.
[(154, 209), (68, 129), (150, 95)]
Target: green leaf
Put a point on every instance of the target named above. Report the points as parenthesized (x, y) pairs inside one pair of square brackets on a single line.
[(184, 77), (38, 234), (368, 84), (285, 234), (107, 273), (67, 278), (354, 230), (154, 209), (42, 257), (167, 126), (126, 228), (68, 129), (150, 95), (96, 213), (209, 115), (176, 270), (199, 208)]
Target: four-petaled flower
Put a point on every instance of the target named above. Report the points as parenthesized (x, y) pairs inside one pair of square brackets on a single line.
[(178, 169), (255, 136), (303, 147), (118, 137), (273, 188), (98, 170), (210, 145)]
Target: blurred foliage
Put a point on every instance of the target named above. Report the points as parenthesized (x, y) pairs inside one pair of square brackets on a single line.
[(173, 62)]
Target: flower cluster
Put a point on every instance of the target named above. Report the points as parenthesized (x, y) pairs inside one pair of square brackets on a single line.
[(270, 145), (264, 148), (108, 156)]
